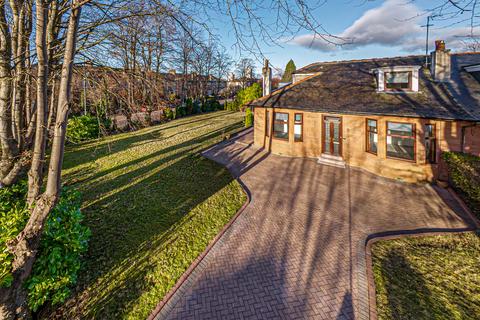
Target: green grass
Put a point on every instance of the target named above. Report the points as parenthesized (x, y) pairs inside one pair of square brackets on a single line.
[(434, 277), (153, 205)]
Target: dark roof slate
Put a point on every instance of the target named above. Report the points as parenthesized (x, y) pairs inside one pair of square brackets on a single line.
[(349, 87)]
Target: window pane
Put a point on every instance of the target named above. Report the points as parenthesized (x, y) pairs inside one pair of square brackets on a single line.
[(372, 124), (281, 116), (298, 117), (373, 141), (401, 129), (397, 77), (397, 80), (297, 131), (399, 147), (429, 131)]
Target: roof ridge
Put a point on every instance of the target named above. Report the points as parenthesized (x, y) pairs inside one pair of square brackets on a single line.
[(360, 60)]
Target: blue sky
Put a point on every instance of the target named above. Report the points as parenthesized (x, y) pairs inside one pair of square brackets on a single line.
[(369, 28)]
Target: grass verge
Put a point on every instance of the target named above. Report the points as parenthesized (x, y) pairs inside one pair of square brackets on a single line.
[(153, 204), (433, 277)]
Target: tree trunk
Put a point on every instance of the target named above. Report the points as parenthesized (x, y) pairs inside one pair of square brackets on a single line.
[(35, 175), (9, 150), (13, 303)]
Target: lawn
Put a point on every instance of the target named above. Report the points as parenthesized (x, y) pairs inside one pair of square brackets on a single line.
[(434, 277), (153, 204)]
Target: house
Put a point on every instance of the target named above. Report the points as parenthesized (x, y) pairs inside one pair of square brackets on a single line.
[(391, 116)]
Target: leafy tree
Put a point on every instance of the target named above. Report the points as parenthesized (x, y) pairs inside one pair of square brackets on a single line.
[(289, 69), (248, 94)]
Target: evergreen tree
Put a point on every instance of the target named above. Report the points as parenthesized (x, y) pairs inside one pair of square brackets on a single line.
[(289, 69)]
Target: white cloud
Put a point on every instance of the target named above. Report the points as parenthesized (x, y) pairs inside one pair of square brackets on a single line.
[(394, 23)]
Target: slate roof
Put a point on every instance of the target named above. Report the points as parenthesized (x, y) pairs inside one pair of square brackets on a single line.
[(349, 87)]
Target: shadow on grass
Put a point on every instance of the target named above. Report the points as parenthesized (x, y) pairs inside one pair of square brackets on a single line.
[(150, 217), (408, 296), (115, 143)]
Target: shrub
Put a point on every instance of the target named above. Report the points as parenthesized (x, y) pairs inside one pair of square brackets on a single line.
[(189, 106), (63, 242), (231, 106), (247, 95), (13, 217), (181, 111), (248, 118), (169, 115), (82, 128), (196, 107), (464, 173)]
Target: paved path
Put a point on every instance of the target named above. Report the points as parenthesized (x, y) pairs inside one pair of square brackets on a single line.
[(297, 251)]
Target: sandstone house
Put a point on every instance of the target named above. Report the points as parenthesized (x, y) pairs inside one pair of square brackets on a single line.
[(390, 116)]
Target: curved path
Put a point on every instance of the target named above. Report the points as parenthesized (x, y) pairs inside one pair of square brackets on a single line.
[(298, 249)]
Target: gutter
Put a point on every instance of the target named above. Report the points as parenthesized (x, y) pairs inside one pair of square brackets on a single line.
[(462, 143)]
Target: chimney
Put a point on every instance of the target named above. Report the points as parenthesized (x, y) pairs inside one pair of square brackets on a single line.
[(440, 66), (267, 79)]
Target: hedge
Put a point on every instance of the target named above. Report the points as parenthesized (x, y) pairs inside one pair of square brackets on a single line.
[(464, 175)]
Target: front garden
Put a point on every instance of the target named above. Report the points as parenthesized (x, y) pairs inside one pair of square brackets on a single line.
[(152, 203), (435, 277)]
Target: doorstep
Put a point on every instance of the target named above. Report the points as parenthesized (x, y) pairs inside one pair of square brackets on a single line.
[(330, 160)]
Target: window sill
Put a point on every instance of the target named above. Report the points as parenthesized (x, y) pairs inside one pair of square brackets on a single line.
[(397, 91), (402, 159)]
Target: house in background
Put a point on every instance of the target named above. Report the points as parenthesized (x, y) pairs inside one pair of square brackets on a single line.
[(391, 116)]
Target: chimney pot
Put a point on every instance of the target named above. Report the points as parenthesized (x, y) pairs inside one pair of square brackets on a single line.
[(440, 45)]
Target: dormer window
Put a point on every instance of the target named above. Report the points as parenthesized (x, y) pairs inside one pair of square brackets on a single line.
[(397, 78)]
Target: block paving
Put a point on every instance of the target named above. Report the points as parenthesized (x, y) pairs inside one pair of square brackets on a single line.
[(298, 249)]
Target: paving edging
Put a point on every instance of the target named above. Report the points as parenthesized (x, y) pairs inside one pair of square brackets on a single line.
[(373, 238), (184, 277)]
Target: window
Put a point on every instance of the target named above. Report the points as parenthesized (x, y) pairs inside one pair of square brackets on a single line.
[(298, 127), (398, 80), (430, 144), (280, 126), (372, 136), (267, 123), (401, 140)]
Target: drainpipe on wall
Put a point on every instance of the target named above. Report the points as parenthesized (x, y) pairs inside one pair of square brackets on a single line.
[(462, 145)]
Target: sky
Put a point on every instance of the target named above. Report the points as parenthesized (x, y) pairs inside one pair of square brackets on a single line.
[(367, 28)]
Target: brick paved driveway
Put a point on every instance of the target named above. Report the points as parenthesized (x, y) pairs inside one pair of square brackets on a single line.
[(297, 251)]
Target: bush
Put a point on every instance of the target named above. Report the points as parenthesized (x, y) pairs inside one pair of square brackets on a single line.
[(247, 95), (63, 242), (169, 114), (248, 118), (82, 128), (464, 174), (181, 111), (231, 106), (13, 217), (189, 106)]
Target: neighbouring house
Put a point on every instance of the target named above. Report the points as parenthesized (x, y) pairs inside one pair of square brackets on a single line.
[(390, 116)]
